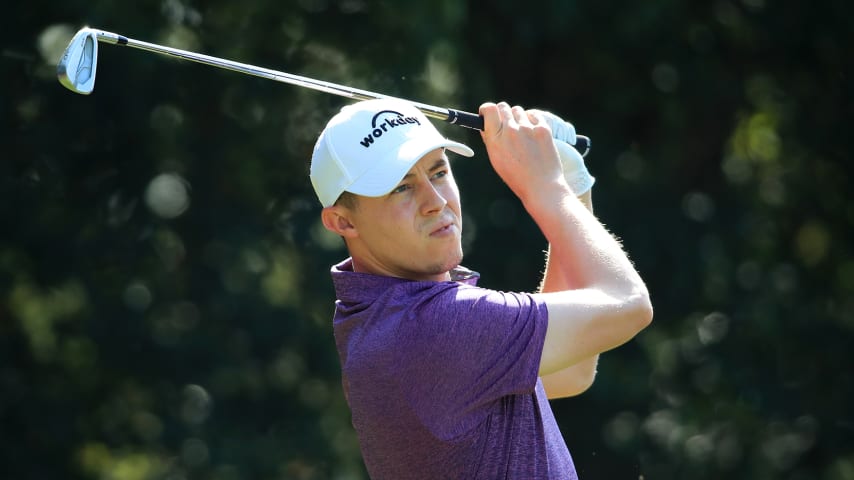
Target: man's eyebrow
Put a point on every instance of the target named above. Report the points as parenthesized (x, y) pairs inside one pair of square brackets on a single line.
[(440, 163)]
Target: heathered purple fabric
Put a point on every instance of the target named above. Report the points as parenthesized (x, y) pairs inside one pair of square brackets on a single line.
[(441, 379)]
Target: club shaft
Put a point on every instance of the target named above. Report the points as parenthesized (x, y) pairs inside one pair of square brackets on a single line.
[(328, 87), (457, 117)]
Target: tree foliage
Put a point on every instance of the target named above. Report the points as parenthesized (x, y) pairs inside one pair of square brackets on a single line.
[(164, 298)]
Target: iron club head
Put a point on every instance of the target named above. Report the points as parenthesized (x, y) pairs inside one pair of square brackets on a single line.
[(76, 68)]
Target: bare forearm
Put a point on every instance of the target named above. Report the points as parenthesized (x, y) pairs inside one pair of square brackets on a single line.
[(554, 279), (582, 253), (577, 378)]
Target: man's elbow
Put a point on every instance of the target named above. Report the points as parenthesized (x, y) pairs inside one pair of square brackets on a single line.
[(640, 311), (570, 389), (645, 307), (571, 381), (633, 315), (582, 385)]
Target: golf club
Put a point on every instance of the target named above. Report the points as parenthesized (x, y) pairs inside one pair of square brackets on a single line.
[(77, 66)]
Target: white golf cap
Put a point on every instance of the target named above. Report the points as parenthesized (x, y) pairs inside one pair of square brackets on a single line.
[(369, 146)]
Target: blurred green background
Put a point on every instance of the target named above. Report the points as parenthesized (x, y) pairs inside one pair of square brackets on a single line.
[(165, 301)]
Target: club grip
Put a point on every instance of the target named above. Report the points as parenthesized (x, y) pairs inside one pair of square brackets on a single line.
[(472, 120), (465, 119)]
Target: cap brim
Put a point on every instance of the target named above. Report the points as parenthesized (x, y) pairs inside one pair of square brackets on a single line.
[(383, 177)]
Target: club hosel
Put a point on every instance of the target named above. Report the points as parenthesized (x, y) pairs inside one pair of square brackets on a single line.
[(110, 37)]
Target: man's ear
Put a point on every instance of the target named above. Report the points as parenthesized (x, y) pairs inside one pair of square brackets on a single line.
[(336, 219)]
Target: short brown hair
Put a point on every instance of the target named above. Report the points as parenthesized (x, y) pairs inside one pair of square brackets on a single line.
[(348, 200)]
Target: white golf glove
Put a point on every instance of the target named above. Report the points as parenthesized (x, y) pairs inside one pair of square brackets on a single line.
[(574, 170)]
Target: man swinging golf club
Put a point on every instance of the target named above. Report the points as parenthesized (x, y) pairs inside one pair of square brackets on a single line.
[(445, 379)]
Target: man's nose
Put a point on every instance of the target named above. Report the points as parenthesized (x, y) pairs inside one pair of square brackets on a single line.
[(432, 200)]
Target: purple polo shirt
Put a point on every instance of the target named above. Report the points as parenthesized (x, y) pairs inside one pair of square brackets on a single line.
[(441, 379)]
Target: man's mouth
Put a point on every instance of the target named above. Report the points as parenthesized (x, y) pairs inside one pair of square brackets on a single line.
[(443, 228)]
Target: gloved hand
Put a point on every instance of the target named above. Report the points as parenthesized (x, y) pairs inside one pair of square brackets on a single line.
[(574, 170), (561, 129)]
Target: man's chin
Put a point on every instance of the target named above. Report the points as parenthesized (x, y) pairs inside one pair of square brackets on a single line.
[(451, 263)]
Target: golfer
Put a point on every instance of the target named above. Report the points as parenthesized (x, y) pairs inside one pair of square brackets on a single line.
[(446, 380)]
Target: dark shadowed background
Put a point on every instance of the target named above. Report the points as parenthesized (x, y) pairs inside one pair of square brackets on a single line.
[(165, 301)]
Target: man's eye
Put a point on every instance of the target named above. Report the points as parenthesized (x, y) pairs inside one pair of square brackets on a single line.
[(401, 189), (440, 174)]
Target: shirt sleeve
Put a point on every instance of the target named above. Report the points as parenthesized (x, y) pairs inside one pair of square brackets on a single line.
[(468, 348)]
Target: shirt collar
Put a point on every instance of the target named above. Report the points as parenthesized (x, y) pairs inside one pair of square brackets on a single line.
[(350, 285)]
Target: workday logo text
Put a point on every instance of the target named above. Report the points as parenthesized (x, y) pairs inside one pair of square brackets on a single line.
[(383, 122)]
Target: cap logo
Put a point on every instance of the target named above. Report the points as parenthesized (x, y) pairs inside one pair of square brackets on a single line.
[(379, 126)]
